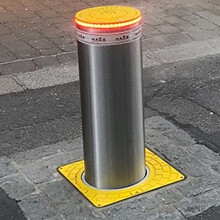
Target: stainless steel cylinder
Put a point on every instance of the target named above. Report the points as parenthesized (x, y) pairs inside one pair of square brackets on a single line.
[(110, 71)]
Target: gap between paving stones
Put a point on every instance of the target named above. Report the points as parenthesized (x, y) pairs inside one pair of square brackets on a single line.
[(43, 193), (59, 75)]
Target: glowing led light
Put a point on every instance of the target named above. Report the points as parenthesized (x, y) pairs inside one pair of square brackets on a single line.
[(115, 25)]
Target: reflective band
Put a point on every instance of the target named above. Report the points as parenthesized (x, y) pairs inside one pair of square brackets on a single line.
[(108, 38)]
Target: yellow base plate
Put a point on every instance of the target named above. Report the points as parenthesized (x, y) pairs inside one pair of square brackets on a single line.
[(160, 174)]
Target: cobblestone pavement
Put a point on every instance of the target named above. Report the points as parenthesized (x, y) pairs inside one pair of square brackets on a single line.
[(39, 33), (31, 179)]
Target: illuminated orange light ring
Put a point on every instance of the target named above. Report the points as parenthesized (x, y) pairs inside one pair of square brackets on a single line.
[(106, 26)]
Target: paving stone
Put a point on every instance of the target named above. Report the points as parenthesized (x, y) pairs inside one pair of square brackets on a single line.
[(15, 8), (199, 185), (195, 205), (29, 22), (179, 38), (66, 27), (81, 211), (68, 47), (153, 138), (54, 161), (49, 77), (16, 186), (167, 28), (149, 31), (180, 137), (188, 27), (174, 20), (48, 13), (203, 154), (50, 51), (52, 32), (4, 30), (203, 24), (45, 61), (193, 8), (8, 85), (191, 18), (179, 11), (191, 167), (57, 191), (3, 11), (139, 207), (52, 2), (56, 20), (24, 13), (148, 113), (17, 45), (37, 172), (6, 167), (70, 58), (56, 217), (5, 55), (171, 152), (210, 6), (160, 124), (148, 62), (17, 67), (169, 196), (8, 37), (41, 44), (71, 145), (37, 208), (203, 35), (26, 53), (155, 42), (30, 2), (7, 18), (28, 34), (210, 16), (152, 20), (216, 166), (30, 156), (145, 209), (164, 213)]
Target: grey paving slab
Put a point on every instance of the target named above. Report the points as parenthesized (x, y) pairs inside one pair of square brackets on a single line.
[(200, 185), (169, 196), (41, 62), (6, 167), (196, 205), (37, 172), (36, 207), (216, 166), (17, 186), (203, 154), (17, 66), (8, 85), (49, 77)]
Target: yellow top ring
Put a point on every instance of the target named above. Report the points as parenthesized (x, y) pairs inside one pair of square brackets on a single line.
[(108, 17)]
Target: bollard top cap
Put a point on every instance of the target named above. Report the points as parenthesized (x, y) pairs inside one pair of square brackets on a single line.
[(108, 18)]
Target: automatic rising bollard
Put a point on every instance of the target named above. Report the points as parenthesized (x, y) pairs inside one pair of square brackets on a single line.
[(110, 67), (116, 165)]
